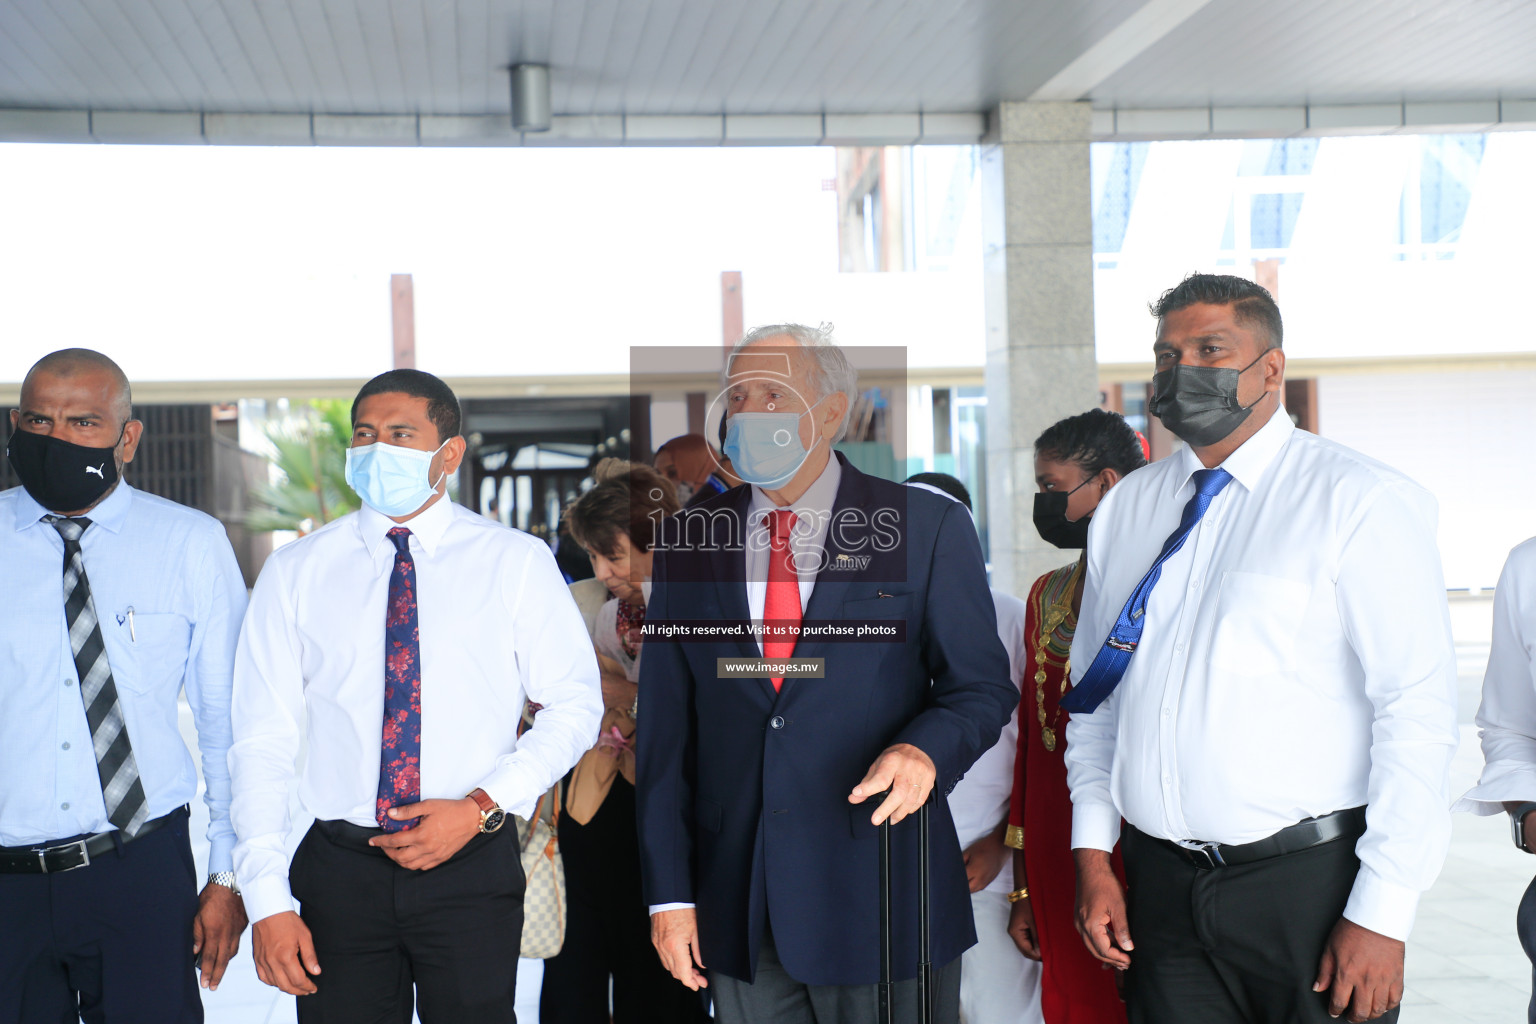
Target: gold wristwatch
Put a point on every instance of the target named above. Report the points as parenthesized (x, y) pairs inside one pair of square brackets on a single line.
[(492, 817), (1017, 895)]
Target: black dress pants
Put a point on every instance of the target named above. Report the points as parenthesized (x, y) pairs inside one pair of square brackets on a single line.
[(390, 940), (608, 930), (1233, 945), (1525, 925), (110, 942)]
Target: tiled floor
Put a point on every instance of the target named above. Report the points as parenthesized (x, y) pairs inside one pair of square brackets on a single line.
[(1465, 965)]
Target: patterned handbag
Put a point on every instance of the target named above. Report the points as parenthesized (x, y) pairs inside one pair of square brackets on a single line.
[(544, 899)]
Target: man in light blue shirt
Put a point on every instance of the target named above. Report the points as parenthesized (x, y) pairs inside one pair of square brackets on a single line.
[(116, 601)]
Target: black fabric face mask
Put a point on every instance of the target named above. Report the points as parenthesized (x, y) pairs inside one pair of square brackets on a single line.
[(1051, 520), (1199, 403), (60, 476)]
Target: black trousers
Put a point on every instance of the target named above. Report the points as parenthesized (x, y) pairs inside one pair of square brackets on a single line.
[(608, 930), (1525, 925), (1234, 944), (389, 940), (110, 942)]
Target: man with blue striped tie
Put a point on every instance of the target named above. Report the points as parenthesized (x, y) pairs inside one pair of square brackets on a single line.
[(1266, 694), (119, 603)]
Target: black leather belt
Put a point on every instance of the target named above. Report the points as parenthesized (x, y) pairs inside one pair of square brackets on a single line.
[(355, 837), (1301, 836), (78, 853), (349, 836)]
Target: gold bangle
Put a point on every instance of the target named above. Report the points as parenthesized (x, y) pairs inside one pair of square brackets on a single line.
[(1017, 895)]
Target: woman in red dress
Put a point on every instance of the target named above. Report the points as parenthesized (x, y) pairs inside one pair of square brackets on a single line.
[(1076, 462)]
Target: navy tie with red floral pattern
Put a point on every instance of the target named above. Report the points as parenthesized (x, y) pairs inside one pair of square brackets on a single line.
[(400, 760)]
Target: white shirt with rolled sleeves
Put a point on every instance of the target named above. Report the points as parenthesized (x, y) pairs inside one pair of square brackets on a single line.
[(497, 624), (1297, 660), (1506, 719)]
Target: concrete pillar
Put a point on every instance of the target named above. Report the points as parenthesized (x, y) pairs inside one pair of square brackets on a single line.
[(1037, 228)]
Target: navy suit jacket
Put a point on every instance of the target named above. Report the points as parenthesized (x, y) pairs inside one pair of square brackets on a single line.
[(742, 792)]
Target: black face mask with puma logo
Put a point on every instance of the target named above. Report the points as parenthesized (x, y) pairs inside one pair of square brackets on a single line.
[(60, 476)]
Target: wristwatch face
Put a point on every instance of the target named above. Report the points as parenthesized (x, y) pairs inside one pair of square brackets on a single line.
[(493, 820)]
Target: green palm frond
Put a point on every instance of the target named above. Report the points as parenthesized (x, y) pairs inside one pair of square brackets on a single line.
[(310, 457)]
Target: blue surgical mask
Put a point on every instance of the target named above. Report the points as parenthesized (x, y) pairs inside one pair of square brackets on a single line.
[(764, 447), (391, 479)]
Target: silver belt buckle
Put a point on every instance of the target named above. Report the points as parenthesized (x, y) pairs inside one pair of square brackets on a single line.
[(1212, 853), (85, 856)]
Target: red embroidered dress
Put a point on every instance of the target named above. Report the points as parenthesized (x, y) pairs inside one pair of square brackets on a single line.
[(1074, 987)]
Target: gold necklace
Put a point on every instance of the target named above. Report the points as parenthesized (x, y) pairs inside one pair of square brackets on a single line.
[(1053, 617)]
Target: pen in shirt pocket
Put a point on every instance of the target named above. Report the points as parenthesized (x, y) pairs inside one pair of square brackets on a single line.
[(133, 634)]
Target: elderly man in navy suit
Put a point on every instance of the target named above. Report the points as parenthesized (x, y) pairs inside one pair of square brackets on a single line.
[(757, 844)]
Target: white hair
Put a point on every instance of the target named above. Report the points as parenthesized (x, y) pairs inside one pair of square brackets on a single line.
[(829, 371)]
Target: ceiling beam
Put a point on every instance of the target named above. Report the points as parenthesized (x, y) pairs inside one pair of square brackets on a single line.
[(268, 129), (1124, 43), (1109, 124)]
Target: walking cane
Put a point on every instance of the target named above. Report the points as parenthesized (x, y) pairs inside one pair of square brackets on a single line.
[(924, 955)]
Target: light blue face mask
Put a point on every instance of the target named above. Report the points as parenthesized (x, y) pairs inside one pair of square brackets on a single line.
[(764, 447), (391, 479)]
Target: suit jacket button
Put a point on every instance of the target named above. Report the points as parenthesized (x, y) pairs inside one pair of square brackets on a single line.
[(776, 722)]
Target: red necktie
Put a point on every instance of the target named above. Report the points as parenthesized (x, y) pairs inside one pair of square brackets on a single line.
[(781, 606)]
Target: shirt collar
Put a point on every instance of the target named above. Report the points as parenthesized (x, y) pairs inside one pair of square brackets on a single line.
[(1253, 457), (818, 498), (428, 528), (109, 515)]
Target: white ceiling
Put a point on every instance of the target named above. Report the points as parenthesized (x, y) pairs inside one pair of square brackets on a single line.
[(638, 58), (1247, 53)]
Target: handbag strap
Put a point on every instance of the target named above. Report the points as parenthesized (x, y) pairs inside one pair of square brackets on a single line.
[(533, 820), (538, 812)]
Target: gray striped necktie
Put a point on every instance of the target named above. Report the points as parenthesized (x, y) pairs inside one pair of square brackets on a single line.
[(120, 786)]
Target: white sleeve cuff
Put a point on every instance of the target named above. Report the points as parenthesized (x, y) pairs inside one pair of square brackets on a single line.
[(1502, 781), (658, 908), (221, 853), (1095, 826), (1382, 906), (266, 896), (512, 785)]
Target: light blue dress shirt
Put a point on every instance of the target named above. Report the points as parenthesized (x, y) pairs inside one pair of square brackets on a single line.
[(170, 599)]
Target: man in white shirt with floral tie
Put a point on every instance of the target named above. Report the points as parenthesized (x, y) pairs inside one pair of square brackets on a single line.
[(401, 641), (1264, 688)]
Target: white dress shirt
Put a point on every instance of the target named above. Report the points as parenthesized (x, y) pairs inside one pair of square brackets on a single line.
[(1507, 717), (1297, 660), (497, 624), (807, 539), (979, 802), (169, 597)]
